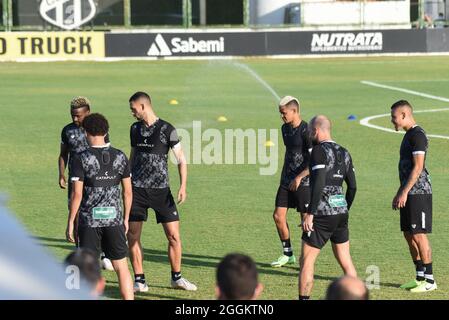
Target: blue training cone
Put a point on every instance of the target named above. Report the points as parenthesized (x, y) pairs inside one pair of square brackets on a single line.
[(352, 117)]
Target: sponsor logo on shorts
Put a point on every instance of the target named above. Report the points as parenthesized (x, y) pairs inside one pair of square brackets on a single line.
[(413, 226), (175, 213)]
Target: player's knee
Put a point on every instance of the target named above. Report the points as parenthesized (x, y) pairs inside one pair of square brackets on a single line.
[(173, 240), (278, 218), (133, 238), (306, 262)]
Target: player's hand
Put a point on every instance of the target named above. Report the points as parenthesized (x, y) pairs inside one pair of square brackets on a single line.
[(182, 195), (294, 185), (401, 200), (62, 182), (69, 234), (394, 203), (307, 224), (126, 225), (301, 217)]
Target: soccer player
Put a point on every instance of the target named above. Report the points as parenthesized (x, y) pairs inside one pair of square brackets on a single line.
[(327, 215), (73, 141), (294, 191), (97, 174), (237, 278), (151, 139), (414, 196)]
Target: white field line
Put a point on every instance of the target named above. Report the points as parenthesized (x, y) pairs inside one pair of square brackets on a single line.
[(365, 121), (416, 93)]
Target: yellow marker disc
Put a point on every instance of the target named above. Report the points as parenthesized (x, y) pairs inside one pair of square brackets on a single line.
[(269, 143), (222, 119)]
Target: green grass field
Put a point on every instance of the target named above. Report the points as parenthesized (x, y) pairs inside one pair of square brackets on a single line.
[(229, 207)]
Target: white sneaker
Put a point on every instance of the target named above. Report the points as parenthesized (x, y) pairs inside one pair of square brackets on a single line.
[(106, 264), (184, 284), (140, 287)]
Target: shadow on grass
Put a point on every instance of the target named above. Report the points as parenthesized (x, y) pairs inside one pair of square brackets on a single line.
[(112, 291), (191, 260), (391, 285), (188, 259)]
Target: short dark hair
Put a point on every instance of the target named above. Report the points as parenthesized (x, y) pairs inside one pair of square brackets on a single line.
[(139, 95), (293, 103), (96, 124), (401, 103), (237, 276), (88, 264), (337, 291)]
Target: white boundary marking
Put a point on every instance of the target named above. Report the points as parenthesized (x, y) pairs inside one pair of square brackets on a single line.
[(416, 93), (365, 121)]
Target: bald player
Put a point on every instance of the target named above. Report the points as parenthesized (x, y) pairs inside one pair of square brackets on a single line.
[(414, 196), (293, 191), (347, 288), (327, 214)]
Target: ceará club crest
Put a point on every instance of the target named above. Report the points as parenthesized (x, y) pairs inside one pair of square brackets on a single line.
[(67, 14)]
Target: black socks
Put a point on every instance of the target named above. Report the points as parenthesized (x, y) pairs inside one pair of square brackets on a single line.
[(175, 276), (287, 247)]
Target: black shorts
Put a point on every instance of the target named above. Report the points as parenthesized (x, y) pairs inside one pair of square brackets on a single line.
[(160, 200), (298, 199), (110, 240), (333, 227), (416, 216)]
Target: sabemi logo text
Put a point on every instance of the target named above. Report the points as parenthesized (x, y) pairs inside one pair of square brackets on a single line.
[(178, 45)]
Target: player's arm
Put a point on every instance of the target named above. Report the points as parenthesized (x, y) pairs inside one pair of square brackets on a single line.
[(75, 202), (131, 156), (62, 164), (418, 144), (182, 170), (351, 184), (418, 166), (133, 141), (127, 195), (307, 149), (318, 181), (294, 185)]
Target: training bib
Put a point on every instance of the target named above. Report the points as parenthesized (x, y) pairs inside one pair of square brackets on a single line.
[(103, 213), (337, 201)]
